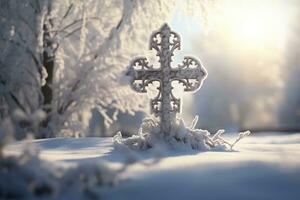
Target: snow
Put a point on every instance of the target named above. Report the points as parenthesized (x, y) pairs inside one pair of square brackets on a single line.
[(262, 167), (150, 135)]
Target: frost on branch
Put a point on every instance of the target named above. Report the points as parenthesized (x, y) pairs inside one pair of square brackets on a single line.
[(181, 136)]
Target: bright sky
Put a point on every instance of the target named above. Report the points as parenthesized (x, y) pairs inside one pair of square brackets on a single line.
[(251, 24), (256, 23), (250, 34)]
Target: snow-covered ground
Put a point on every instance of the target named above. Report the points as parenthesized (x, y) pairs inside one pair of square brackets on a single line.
[(262, 167)]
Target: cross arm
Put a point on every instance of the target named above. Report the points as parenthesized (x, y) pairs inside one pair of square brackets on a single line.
[(142, 74), (190, 74)]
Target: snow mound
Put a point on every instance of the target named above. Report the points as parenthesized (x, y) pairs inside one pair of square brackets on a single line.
[(181, 136)]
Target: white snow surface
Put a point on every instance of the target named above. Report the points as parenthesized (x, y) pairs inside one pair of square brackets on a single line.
[(261, 167)]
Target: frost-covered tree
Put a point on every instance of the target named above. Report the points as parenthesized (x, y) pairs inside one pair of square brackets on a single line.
[(64, 57), (27, 64), (21, 70)]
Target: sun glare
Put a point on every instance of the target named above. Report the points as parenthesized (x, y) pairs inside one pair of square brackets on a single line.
[(255, 23), (252, 30)]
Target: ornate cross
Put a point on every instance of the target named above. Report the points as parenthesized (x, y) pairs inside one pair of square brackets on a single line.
[(190, 74)]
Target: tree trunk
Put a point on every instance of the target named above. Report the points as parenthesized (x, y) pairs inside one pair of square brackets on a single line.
[(48, 58), (48, 62)]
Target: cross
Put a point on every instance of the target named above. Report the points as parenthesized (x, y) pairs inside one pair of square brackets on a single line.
[(190, 74)]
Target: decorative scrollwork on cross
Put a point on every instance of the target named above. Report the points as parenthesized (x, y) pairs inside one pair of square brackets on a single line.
[(174, 42), (190, 74)]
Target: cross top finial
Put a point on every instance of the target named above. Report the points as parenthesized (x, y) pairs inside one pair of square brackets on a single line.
[(190, 74), (165, 26), (164, 39)]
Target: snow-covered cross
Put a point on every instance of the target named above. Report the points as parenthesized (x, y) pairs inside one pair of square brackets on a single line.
[(190, 74)]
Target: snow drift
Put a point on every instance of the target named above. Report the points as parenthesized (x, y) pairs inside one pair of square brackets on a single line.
[(181, 136)]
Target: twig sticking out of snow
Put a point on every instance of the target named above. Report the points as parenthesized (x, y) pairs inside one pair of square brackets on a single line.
[(194, 122), (241, 135), (181, 136)]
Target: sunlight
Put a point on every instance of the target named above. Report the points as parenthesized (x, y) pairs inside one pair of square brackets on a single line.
[(247, 41), (255, 23), (253, 30)]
